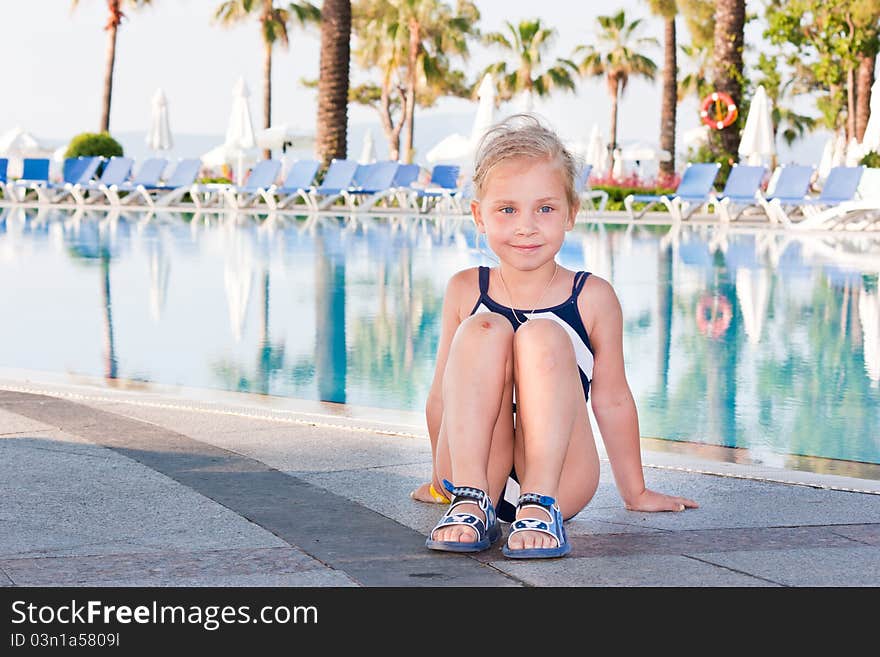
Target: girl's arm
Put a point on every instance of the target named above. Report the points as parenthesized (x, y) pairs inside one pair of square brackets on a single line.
[(613, 404)]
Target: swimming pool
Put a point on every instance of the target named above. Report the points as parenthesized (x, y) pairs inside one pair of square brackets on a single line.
[(744, 338)]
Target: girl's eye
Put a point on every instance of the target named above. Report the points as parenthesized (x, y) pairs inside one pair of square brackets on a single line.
[(506, 210), (546, 208)]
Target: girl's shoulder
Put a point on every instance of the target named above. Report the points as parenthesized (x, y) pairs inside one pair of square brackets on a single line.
[(463, 289), (597, 299)]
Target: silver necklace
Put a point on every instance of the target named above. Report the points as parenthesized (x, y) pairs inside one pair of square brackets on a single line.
[(537, 305)]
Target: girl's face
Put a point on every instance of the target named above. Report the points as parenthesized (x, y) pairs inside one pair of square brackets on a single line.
[(524, 212)]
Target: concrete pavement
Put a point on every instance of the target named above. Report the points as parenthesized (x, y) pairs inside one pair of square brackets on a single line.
[(144, 485)]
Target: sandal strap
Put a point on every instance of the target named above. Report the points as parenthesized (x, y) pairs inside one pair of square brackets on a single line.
[(467, 495), (552, 526), (467, 492)]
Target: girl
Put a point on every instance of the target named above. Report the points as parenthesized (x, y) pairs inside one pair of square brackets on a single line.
[(523, 347)]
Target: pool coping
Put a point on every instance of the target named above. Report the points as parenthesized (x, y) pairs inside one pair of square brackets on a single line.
[(656, 453)]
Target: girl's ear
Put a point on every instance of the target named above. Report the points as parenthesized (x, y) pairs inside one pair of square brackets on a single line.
[(478, 217), (572, 214)]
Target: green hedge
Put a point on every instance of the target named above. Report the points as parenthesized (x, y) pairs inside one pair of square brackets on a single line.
[(871, 160), (617, 194), (90, 144)]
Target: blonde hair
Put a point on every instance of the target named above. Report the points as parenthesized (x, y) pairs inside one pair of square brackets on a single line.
[(523, 136)]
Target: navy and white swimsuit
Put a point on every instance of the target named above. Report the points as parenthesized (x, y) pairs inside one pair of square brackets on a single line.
[(566, 314)]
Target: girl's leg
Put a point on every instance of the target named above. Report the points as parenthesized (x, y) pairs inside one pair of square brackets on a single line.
[(475, 443), (555, 452)]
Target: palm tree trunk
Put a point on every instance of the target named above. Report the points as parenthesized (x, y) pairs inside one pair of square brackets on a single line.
[(332, 128), (392, 132), (864, 80), (267, 90), (615, 95), (110, 60), (850, 104), (670, 99), (410, 105), (730, 18)]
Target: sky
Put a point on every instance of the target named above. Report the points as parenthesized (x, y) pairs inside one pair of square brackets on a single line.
[(55, 67)]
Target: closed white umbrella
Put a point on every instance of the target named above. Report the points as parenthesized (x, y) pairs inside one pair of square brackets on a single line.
[(240, 137), (368, 150), (757, 142), (597, 153), (617, 166), (159, 135), (458, 149), (871, 140), (485, 115), (827, 156)]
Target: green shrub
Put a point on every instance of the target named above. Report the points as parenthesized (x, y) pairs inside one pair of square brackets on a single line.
[(94, 144), (617, 194), (871, 159), (712, 151)]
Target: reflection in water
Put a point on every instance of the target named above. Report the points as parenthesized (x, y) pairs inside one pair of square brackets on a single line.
[(760, 339)]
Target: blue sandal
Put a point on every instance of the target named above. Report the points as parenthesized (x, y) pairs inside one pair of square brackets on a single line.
[(553, 527), (487, 532)]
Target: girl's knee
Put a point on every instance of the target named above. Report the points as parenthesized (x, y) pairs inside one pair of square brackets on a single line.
[(485, 328), (486, 322), (544, 344)]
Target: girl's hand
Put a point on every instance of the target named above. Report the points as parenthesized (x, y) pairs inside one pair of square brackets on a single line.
[(650, 500)]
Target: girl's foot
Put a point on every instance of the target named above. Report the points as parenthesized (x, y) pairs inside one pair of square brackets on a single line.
[(461, 533), (429, 494), (537, 532), (524, 540), (469, 524)]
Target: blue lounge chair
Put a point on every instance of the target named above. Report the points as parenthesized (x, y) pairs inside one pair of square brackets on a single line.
[(339, 177), (740, 191), (442, 188), (299, 179), (4, 164), (148, 174), (116, 172), (179, 183), (35, 177), (586, 194), (377, 181), (407, 175), (790, 189), (837, 199), (694, 191), (262, 176)]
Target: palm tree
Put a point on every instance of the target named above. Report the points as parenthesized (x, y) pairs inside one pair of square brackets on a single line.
[(617, 59), (696, 82), (699, 18), (379, 47), (332, 124), (273, 26), (113, 21), (730, 16), (527, 42), (432, 33), (667, 10)]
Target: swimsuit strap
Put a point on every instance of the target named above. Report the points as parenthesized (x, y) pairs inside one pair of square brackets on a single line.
[(484, 280), (579, 282)]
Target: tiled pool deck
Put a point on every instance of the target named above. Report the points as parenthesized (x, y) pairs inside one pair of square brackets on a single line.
[(151, 486)]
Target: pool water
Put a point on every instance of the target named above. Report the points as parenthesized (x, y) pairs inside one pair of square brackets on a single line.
[(740, 338)]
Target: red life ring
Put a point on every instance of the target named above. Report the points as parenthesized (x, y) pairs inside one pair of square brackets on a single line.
[(718, 110), (713, 315)]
